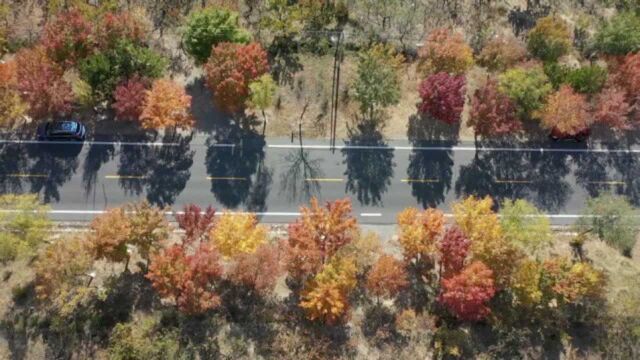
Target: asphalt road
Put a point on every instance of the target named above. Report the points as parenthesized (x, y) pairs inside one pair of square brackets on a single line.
[(274, 178)]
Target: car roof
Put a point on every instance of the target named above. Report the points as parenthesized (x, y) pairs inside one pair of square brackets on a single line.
[(63, 127)]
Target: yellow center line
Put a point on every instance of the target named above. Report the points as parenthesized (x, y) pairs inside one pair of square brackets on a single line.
[(232, 178), (324, 179), (420, 180), (506, 181), (612, 182), (125, 177), (28, 175)]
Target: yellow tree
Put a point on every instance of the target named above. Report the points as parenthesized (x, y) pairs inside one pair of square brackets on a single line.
[(166, 105), (62, 274), (573, 282), (326, 296), (480, 223), (526, 284), (11, 105), (235, 234), (149, 227), (419, 232)]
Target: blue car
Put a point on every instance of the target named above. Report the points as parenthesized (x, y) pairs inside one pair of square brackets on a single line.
[(67, 130)]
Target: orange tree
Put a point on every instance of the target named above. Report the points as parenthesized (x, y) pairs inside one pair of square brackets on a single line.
[(189, 280), (318, 234), (419, 233), (445, 51), (387, 277), (166, 104), (11, 105), (566, 111)]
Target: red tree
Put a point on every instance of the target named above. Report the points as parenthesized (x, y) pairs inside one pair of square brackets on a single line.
[(492, 112), (628, 74), (129, 98), (195, 223), (258, 270), (466, 294), (188, 280), (68, 38), (453, 249), (612, 109), (114, 27), (229, 71), (442, 97), (41, 84)]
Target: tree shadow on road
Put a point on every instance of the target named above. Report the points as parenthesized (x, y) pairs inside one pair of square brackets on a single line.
[(52, 165), (369, 171), (234, 155), (429, 173)]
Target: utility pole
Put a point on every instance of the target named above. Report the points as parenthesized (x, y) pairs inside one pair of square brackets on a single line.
[(335, 88)]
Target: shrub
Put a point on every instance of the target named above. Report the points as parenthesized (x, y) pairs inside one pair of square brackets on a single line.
[(620, 35), (502, 52), (614, 220), (557, 73), (207, 28), (587, 79), (121, 26), (566, 111), (443, 97), (445, 51), (527, 87), (142, 340), (549, 39), (105, 70)]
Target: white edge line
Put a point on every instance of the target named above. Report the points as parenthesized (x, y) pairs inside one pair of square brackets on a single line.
[(452, 148), (276, 213)]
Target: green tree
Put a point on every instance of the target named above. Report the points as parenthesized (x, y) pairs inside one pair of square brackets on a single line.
[(587, 79), (619, 36), (103, 71), (207, 28), (377, 84), (549, 39), (613, 219), (24, 227), (528, 87), (261, 92), (525, 226)]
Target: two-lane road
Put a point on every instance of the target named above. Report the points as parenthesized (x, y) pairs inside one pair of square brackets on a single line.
[(275, 178)]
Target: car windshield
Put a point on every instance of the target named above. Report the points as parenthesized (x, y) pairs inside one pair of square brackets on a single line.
[(63, 127)]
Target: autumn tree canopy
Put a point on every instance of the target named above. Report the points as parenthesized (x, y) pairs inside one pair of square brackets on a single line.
[(235, 234), (258, 270), (566, 111), (166, 104), (68, 38), (129, 99), (549, 39), (195, 222), (387, 277), (420, 232), (41, 85), (501, 52), (230, 70), (467, 293), (453, 250), (12, 107), (445, 51), (188, 280), (442, 97), (492, 112), (318, 234)]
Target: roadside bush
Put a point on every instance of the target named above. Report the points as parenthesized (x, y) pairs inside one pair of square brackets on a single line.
[(549, 39), (207, 28), (614, 220), (557, 73), (105, 70), (527, 87), (587, 79), (619, 36), (142, 341)]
